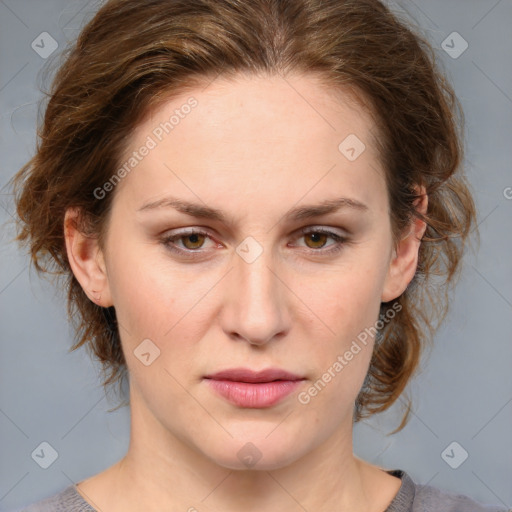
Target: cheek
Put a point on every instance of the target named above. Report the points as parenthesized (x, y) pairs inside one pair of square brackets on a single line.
[(344, 301), (156, 301), (145, 301), (152, 295), (346, 304), (342, 356)]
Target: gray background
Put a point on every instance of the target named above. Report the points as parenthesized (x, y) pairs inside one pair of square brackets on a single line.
[(463, 394)]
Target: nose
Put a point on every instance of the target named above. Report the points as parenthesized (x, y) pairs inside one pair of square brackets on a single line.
[(255, 309)]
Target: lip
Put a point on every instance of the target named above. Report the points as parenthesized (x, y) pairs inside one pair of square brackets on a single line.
[(254, 389), (247, 375)]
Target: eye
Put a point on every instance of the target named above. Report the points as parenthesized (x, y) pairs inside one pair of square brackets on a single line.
[(316, 239), (191, 240)]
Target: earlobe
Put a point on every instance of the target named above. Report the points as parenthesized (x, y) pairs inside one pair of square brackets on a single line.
[(86, 260), (405, 258)]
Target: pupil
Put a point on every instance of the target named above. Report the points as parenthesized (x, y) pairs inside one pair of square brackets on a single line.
[(317, 237)]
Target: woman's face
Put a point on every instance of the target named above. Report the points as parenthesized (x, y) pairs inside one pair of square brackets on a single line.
[(197, 294)]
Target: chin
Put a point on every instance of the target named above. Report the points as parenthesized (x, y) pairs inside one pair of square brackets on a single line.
[(257, 450)]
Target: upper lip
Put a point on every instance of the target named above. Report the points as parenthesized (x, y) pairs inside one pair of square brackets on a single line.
[(246, 375)]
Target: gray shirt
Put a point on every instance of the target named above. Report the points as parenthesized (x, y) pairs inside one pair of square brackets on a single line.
[(411, 497)]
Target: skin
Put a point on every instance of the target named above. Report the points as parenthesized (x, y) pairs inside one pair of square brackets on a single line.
[(253, 148)]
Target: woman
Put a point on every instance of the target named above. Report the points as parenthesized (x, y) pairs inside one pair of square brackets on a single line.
[(249, 202)]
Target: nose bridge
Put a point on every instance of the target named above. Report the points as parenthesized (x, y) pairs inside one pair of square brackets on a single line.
[(256, 294)]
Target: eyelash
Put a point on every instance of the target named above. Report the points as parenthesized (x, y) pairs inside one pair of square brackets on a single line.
[(168, 242)]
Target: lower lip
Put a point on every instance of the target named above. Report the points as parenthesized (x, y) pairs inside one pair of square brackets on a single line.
[(254, 395)]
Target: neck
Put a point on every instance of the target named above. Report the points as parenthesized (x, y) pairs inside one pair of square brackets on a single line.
[(328, 479), (161, 472)]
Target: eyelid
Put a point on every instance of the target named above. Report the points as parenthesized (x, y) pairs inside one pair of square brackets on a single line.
[(187, 232), (339, 238), (322, 229)]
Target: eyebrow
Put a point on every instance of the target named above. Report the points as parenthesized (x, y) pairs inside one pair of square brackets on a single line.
[(295, 214)]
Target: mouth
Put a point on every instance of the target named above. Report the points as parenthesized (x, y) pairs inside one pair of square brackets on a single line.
[(249, 389)]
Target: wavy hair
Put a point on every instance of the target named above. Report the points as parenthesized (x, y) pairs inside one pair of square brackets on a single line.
[(135, 54)]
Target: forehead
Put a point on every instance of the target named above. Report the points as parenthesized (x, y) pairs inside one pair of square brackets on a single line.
[(254, 133)]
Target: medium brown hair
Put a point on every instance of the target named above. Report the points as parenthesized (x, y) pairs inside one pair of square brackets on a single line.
[(135, 54)]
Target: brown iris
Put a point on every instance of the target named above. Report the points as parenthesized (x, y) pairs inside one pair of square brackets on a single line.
[(196, 239), (317, 238)]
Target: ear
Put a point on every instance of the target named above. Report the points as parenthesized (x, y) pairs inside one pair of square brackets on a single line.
[(86, 260), (404, 262)]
